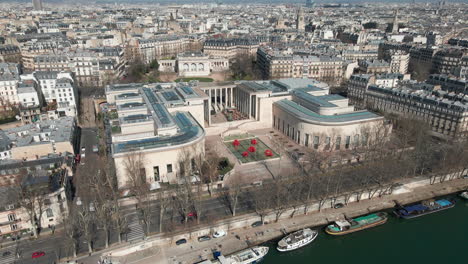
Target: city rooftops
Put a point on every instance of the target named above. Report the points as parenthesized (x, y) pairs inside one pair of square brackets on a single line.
[(56, 130), (423, 93)]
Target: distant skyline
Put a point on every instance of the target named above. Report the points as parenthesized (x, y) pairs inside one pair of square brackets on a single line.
[(226, 1)]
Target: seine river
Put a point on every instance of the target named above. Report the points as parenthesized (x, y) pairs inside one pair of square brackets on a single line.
[(437, 238)]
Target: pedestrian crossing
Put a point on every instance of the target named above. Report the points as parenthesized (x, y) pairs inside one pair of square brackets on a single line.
[(136, 230), (9, 259)]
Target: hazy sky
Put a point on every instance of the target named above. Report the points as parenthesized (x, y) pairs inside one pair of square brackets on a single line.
[(227, 1)]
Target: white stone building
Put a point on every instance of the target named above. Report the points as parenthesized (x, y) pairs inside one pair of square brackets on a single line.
[(9, 78), (158, 125)]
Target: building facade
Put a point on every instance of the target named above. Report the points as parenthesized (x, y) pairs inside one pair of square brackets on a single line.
[(160, 127), (276, 63), (230, 48), (447, 114)]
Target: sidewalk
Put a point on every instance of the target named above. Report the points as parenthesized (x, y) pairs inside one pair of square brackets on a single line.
[(194, 251)]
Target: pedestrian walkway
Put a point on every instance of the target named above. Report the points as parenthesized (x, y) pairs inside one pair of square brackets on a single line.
[(136, 232), (7, 259)]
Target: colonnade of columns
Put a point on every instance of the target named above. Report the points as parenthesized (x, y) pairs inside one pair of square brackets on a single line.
[(221, 98)]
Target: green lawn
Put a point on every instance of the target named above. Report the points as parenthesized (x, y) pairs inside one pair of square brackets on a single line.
[(200, 79), (258, 155)]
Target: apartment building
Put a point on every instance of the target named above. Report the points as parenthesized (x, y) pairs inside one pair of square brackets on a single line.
[(9, 78), (161, 47), (449, 84), (230, 48), (358, 84), (33, 141), (446, 113), (276, 63), (10, 53)]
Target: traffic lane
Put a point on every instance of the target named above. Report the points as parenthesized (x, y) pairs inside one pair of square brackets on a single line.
[(88, 140), (52, 247)]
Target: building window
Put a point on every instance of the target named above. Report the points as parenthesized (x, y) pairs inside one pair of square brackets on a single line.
[(364, 140), (338, 143), (156, 173), (327, 143), (49, 213), (356, 140), (348, 141), (169, 168), (306, 141), (11, 217), (316, 142), (13, 227)]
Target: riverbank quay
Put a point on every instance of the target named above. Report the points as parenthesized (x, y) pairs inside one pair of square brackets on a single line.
[(241, 235)]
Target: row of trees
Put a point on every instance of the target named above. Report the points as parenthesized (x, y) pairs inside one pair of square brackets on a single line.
[(323, 178), (409, 152)]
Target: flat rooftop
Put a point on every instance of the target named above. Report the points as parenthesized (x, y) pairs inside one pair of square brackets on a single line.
[(188, 130), (311, 116), (57, 130)]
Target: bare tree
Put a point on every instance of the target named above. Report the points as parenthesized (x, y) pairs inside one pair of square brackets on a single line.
[(72, 231), (164, 202), (261, 201), (104, 218), (184, 199), (134, 165), (279, 197), (87, 223), (232, 193), (32, 198), (209, 171)]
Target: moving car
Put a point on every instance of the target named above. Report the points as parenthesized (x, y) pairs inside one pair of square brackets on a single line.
[(181, 241), (219, 233), (95, 148), (38, 254), (203, 238)]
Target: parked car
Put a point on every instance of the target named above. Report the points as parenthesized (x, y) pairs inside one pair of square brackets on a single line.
[(181, 241), (338, 205), (219, 233), (192, 214), (38, 254), (95, 149), (203, 238), (258, 223)]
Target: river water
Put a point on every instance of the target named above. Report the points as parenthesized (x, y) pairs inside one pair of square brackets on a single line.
[(436, 238)]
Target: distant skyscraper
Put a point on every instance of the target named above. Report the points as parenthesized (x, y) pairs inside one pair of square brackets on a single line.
[(395, 22), (37, 4), (300, 23)]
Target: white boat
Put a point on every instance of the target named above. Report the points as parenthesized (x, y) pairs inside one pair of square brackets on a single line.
[(464, 195), (297, 239), (247, 256)]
